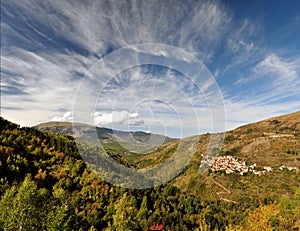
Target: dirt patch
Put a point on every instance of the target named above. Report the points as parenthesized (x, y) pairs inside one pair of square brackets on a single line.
[(257, 145)]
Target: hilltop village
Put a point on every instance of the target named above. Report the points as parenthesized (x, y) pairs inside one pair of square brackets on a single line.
[(231, 164)]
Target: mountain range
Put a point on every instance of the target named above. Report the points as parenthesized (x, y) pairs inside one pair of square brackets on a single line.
[(119, 141), (274, 143)]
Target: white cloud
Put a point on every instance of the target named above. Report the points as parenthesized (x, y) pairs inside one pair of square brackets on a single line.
[(116, 117), (67, 116)]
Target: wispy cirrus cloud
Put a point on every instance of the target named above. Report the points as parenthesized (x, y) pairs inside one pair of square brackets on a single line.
[(272, 83), (39, 83), (279, 70), (97, 26), (48, 47)]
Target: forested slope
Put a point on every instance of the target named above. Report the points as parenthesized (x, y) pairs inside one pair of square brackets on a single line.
[(45, 185)]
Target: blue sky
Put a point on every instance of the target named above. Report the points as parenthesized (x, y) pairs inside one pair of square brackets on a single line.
[(250, 48)]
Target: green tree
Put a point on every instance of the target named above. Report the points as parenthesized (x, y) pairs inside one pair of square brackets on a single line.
[(24, 207), (289, 210), (60, 215), (123, 219)]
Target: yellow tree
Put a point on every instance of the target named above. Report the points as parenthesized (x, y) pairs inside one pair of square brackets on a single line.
[(264, 218)]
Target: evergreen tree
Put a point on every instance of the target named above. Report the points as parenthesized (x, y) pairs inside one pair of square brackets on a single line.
[(143, 213)]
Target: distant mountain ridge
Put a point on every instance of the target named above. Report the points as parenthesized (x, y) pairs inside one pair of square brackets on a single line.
[(105, 135)]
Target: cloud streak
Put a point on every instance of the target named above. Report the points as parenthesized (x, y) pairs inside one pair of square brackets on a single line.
[(281, 70), (48, 47)]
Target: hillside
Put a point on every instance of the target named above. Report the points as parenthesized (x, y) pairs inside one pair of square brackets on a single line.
[(47, 166), (273, 143)]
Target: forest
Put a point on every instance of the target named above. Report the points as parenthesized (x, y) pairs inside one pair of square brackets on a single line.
[(46, 185)]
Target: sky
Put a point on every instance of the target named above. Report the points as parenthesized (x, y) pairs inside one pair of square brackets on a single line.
[(177, 68)]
